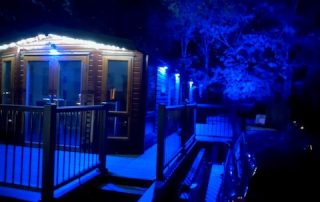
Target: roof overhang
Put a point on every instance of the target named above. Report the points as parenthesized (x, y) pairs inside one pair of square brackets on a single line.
[(48, 41)]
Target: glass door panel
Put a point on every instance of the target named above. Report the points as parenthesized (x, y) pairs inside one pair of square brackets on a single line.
[(69, 83), (37, 94), (6, 82), (117, 84), (116, 91), (37, 83)]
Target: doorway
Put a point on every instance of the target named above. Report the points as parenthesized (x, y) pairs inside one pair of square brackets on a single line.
[(54, 79)]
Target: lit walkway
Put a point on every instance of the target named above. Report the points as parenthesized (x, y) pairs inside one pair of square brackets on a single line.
[(216, 129), (214, 183), (141, 166)]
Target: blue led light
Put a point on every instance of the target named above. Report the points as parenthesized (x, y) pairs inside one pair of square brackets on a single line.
[(53, 50), (163, 70), (177, 76), (190, 84)]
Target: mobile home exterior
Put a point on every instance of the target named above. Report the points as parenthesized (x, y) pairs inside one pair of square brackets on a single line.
[(69, 71)]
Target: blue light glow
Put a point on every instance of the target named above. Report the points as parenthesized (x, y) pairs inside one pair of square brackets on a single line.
[(163, 70), (177, 76), (54, 52), (190, 84), (53, 49)]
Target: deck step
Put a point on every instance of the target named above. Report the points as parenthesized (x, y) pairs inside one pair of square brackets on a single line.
[(188, 182), (214, 182), (125, 189), (128, 181)]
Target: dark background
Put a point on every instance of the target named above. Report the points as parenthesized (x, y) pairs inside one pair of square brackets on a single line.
[(144, 22)]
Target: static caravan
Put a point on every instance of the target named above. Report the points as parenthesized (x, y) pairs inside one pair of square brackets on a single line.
[(73, 71)]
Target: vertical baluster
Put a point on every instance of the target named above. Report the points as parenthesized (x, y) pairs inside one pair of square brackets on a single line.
[(24, 133), (2, 120), (39, 147), (85, 139), (6, 145), (58, 143), (64, 143), (92, 136), (80, 141), (32, 122), (14, 114), (70, 143), (75, 143)]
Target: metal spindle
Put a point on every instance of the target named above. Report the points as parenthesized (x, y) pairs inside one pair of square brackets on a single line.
[(30, 147), (39, 149), (64, 143), (70, 135), (75, 143)]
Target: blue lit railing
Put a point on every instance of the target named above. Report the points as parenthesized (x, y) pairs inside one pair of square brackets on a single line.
[(216, 121), (178, 127), (175, 137), (44, 148)]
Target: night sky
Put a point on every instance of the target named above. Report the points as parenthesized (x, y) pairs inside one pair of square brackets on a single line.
[(139, 20), (121, 18)]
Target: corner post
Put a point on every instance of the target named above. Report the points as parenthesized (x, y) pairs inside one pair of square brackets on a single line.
[(161, 139), (103, 137), (49, 143)]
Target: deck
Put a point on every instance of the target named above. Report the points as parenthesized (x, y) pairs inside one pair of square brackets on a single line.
[(141, 166), (21, 166), (17, 171)]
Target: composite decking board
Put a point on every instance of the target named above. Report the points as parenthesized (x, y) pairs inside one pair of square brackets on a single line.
[(28, 195), (17, 166), (214, 183), (141, 166)]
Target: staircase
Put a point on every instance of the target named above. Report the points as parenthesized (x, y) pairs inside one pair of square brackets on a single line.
[(109, 188)]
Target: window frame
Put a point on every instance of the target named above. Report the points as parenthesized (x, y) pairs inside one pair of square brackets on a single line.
[(10, 59), (54, 72), (126, 113), (104, 87)]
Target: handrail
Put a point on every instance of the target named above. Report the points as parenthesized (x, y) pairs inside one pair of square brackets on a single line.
[(214, 106), (55, 135), (183, 131), (79, 108), (21, 108)]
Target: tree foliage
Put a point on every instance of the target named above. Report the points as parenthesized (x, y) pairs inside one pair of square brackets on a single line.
[(243, 45)]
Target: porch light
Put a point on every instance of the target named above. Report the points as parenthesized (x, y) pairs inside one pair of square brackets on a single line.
[(163, 70), (177, 78), (53, 50), (190, 84)]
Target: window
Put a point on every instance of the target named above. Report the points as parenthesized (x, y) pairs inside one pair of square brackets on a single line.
[(117, 84), (57, 79), (6, 79), (116, 92)]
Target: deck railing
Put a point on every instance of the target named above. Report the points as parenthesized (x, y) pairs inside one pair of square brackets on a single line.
[(217, 121), (179, 125), (175, 136), (44, 148)]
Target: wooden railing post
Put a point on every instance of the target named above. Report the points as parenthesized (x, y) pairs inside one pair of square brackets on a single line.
[(192, 117), (184, 132), (161, 139), (103, 138), (49, 143)]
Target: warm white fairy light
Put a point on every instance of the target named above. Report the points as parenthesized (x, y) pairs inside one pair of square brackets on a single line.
[(41, 40)]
